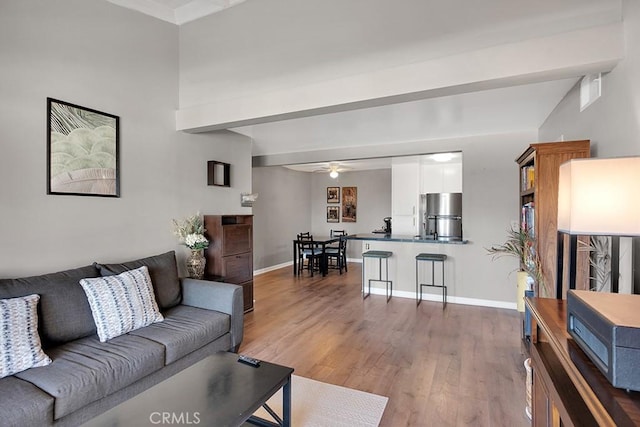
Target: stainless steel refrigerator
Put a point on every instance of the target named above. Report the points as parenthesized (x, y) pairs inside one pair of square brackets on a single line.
[(441, 216)]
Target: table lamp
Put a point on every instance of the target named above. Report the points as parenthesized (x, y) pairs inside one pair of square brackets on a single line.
[(597, 196)]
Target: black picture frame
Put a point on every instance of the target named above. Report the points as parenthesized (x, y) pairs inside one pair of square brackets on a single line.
[(333, 213), (83, 148), (333, 194)]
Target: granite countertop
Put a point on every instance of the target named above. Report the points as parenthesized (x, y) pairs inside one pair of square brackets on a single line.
[(402, 238)]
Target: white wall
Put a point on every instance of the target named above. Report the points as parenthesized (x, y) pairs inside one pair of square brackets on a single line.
[(612, 123), (238, 68), (261, 47), (98, 55)]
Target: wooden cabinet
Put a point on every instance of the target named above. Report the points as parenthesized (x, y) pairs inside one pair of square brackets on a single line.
[(568, 389), (230, 253), (538, 203)]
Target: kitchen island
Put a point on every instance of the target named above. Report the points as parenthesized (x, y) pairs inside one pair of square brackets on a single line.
[(402, 264)]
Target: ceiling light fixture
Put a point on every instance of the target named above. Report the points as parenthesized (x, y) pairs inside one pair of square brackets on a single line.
[(333, 170), (442, 157)]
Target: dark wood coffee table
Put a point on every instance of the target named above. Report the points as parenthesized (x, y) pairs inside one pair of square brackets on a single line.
[(217, 391)]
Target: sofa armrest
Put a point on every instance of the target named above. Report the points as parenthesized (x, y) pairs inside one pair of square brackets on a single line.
[(218, 296)]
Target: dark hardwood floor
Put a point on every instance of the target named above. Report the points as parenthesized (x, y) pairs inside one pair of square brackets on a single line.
[(462, 366)]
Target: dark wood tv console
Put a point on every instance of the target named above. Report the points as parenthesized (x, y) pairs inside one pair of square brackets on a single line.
[(568, 389)]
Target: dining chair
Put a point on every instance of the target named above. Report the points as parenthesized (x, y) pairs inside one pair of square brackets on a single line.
[(336, 233), (307, 250), (338, 253)]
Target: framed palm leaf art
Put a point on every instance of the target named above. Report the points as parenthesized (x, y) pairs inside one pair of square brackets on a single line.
[(82, 151)]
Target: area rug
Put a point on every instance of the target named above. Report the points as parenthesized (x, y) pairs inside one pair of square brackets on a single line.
[(318, 404)]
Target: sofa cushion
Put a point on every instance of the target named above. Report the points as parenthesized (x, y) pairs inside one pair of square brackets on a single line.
[(122, 302), (86, 370), (23, 404), (60, 294), (186, 329), (19, 340), (164, 276)]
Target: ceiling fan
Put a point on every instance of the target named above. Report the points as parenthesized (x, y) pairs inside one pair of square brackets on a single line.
[(333, 168)]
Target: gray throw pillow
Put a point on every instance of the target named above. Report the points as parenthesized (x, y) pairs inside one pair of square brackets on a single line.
[(163, 270)]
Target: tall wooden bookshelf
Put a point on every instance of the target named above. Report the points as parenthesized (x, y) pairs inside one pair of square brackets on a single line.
[(538, 205)]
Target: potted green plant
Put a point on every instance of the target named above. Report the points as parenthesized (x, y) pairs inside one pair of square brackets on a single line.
[(520, 244)]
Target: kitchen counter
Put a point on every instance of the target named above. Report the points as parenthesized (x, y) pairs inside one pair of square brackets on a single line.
[(402, 238), (402, 264)]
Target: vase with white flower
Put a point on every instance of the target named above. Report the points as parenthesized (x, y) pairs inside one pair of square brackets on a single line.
[(190, 232)]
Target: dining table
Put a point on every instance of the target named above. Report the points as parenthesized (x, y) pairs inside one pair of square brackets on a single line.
[(321, 242)]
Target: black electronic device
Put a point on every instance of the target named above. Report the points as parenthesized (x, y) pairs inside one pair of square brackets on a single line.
[(607, 327), (387, 225), (248, 360)]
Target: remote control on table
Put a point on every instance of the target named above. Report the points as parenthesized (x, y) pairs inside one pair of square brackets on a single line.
[(248, 360)]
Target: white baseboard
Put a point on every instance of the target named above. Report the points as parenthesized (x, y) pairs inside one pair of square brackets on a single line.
[(450, 299), (290, 263), (411, 295), (271, 268)]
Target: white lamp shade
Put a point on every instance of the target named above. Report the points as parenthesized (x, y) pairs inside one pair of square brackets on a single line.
[(600, 196)]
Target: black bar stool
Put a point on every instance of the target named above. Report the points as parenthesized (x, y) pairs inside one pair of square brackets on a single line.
[(380, 255), (433, 258)]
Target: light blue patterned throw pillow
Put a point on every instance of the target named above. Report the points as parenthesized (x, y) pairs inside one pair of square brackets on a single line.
[(20, 347), (122, 303)]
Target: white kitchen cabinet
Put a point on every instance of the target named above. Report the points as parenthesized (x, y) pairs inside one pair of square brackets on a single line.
[(415, 175), (404, 224), (452, 178), (441, 178), (405, 190)]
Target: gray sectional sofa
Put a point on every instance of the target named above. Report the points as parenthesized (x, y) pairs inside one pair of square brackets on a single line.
[(87, 377)]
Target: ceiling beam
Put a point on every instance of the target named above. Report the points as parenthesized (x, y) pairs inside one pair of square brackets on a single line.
[(559, 56)]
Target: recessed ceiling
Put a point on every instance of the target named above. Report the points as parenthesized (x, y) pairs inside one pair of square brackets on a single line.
[(177, 11)]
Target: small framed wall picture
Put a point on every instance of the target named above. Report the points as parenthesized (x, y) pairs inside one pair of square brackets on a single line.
[(333, 213), (333, 194)]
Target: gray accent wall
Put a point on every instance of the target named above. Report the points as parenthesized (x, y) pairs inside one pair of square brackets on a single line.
[(102, 56), (282, 210)]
